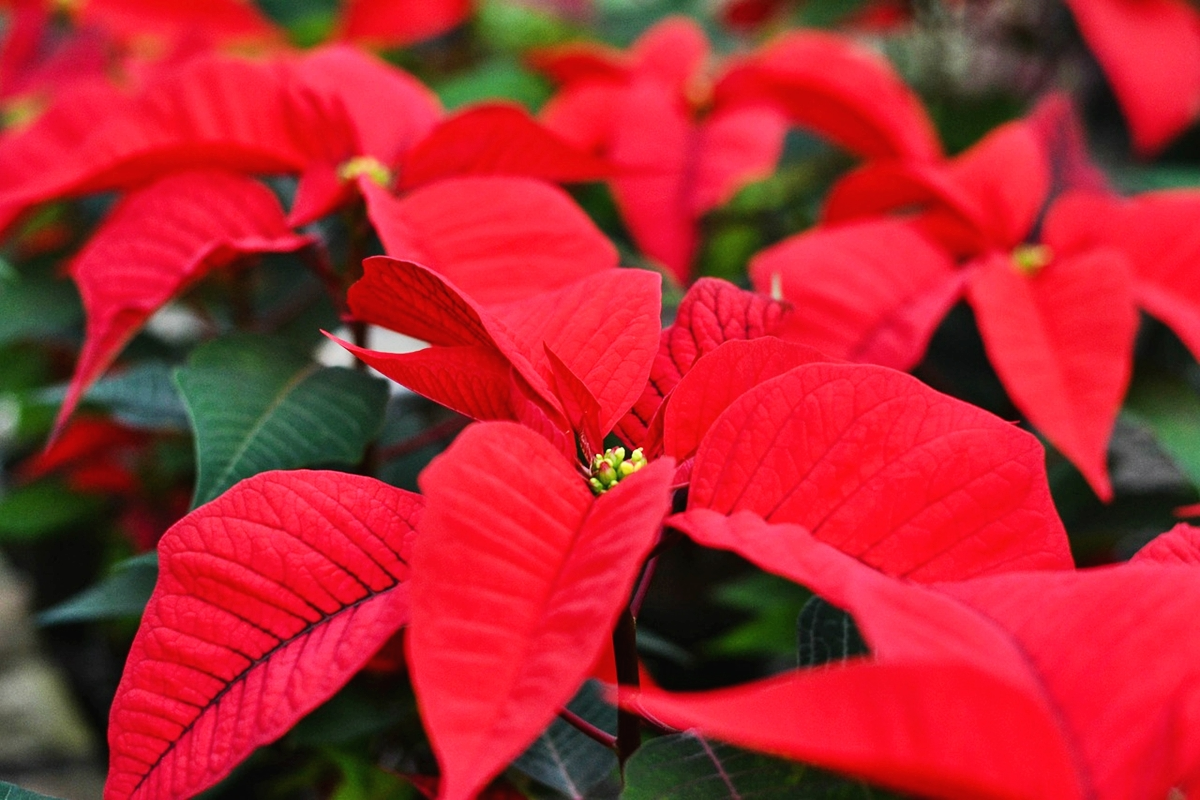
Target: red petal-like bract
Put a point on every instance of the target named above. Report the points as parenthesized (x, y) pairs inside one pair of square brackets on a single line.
[(911, 481), (496, 238), (872, 292), (711, 313), (598, 326), (212, 112), (518, 578), (716, 381), (1150, 52), (157, 242), (1180, 545), (831, 85), (656, 143), (1062, 343), (735, 146), (219, 21), (498, 139), (1159, 234), (1044, 670), (394, 23), (268, 600)]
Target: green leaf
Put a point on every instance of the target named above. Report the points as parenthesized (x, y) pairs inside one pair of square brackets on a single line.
[(43, 509), (256, 405), (143, 396), (36, 308), (772, 605), (1171, 409), (495, 79), (123, 593), (10, 792), (353, 713), (567, 760), (826, 633), (688, 767)]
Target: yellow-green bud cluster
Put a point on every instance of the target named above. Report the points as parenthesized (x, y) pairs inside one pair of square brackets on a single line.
[(608, 470), (1029, 259), (372, 167)]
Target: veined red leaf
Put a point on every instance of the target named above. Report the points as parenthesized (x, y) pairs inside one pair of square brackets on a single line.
[(597, 326), (268, 600), (712, 312), (212, 112), (911, 481), (497, 238), (716, 381), (872, 292), (1150, 53), (1062, 343), (158, 241), (497, 139), (519, 575), (1109, 723), (1180, 545), (831, 85), (395, 23)]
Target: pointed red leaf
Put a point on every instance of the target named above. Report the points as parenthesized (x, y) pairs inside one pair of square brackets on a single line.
[(911, 727), (735, 146), (586, 115), (1058, 127), (911, 481), (840, 90), (716, 381), (395, 23), (496, 238), (156, 243), (219, 21), (268, 600), (580, 62), (497, 140), (872, 292), (598, 326), (1071, 644), (712, 312), (1150, 52), (519, 575), (672, 51), (390, 110), (1159, 234), (655, 141), (212, 112), (1062, 343), (579, 405), (1180, 545)]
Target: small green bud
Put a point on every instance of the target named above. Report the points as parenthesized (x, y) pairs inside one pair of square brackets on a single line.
[(1029, 259), (608, 468)]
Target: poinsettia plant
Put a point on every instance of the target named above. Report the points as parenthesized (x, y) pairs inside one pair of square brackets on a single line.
[(514, 399)]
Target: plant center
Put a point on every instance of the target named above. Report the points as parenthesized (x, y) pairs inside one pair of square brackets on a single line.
[(370, 166), (1029, 259), (609, 469)]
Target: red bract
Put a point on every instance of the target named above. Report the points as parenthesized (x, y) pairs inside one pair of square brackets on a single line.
[(393, 23), (652, 110), (529, 237), (157, 242), (268, 600), (912, 482), (1150, 52), (712, 312), (1180, 545), (1056, 314), (519, 574), (492, 363), (1007, 686)]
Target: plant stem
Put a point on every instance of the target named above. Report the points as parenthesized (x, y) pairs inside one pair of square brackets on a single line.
[(629, 724), (588, 729)]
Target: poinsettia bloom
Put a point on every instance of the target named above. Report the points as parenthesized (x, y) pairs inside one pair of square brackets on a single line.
[(1056, 309), (690, 140), (1150, 53), (1015, 685)]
